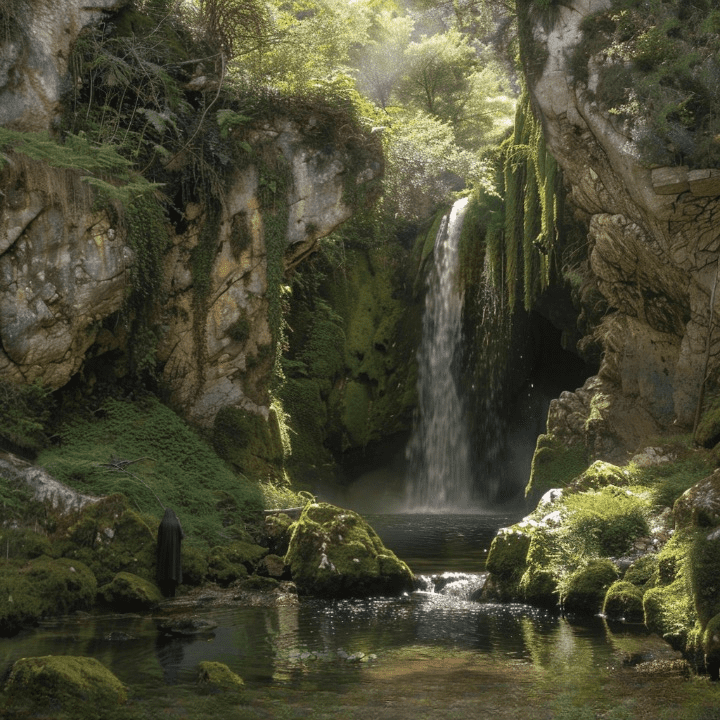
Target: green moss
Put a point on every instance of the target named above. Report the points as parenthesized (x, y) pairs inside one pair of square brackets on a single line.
[(248, 442), (335, 553), (711, 640), (259, 583), (642, 571), (538, 584), (63, 685), (601, 475), (234, 561), (24, 544), (24, 412), (623, 601), (42, 587), (508, 554), (356, 410), (668, 607), (606, 521), (129, 593), (215, 677), (194, 565), (172, 464), (308, 413), (668, 481), (110, 538), (554, 465), (583, 591)]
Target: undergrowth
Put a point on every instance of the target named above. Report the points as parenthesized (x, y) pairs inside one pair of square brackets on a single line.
[(169, 465)]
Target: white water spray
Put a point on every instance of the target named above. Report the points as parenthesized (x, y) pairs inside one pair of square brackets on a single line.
[(440, 477)]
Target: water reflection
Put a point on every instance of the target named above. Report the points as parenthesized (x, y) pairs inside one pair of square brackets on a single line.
[(323, 640)]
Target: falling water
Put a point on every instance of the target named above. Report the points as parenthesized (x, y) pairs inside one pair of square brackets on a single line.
[(440, 477)]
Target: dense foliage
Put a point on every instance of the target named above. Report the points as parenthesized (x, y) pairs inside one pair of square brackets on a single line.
[(658, 70)]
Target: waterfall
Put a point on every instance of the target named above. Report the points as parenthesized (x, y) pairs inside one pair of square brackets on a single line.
[(440, 477)]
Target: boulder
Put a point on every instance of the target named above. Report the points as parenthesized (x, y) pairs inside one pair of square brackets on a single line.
[(335, 553), (63, 685), (129, 593), (700, 504), (584, 591), (228, 563), (41, 587), (216, 677), (110, 538), (186, 626), (623, 601)]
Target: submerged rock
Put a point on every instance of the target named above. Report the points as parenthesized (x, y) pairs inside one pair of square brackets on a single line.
[(334, 552), (216, 677), (186, 626)]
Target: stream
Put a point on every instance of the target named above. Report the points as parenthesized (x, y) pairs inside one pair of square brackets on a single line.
[(430, 654)]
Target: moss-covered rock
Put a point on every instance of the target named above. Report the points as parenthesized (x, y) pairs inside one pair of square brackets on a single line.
[(228, 563), (277, 528), (600, 475), (335, 553), (554, 464), (668, 607), (62, 685), (623, 601), (129, 593), (507, 557), (538, 583), (41, 587), (216, 677), (700, 504), (24, 544), (711, 647), (641, 571), (248, 441), (111, 538), (583, 592)]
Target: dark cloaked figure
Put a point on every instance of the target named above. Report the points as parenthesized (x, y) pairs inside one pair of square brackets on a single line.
[(169, 563)]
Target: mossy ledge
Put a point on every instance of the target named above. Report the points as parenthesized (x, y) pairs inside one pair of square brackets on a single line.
[(638, 543)]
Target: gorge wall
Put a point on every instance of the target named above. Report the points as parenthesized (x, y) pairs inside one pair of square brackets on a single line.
[(67, 263), (653, 240)]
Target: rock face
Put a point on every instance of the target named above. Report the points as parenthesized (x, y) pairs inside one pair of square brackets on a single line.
[(66, 268), (653, 239), (34, 50)]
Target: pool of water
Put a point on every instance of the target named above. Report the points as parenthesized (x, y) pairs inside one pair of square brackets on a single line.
[(319, 646)]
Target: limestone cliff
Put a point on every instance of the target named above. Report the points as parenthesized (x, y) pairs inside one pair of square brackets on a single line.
[(652, 219), (282, 179)]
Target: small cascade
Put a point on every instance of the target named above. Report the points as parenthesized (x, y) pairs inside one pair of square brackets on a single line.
[(459, 586), (440, 477)]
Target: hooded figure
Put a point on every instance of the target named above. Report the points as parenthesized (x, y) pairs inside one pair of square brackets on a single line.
[(169, 564)]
